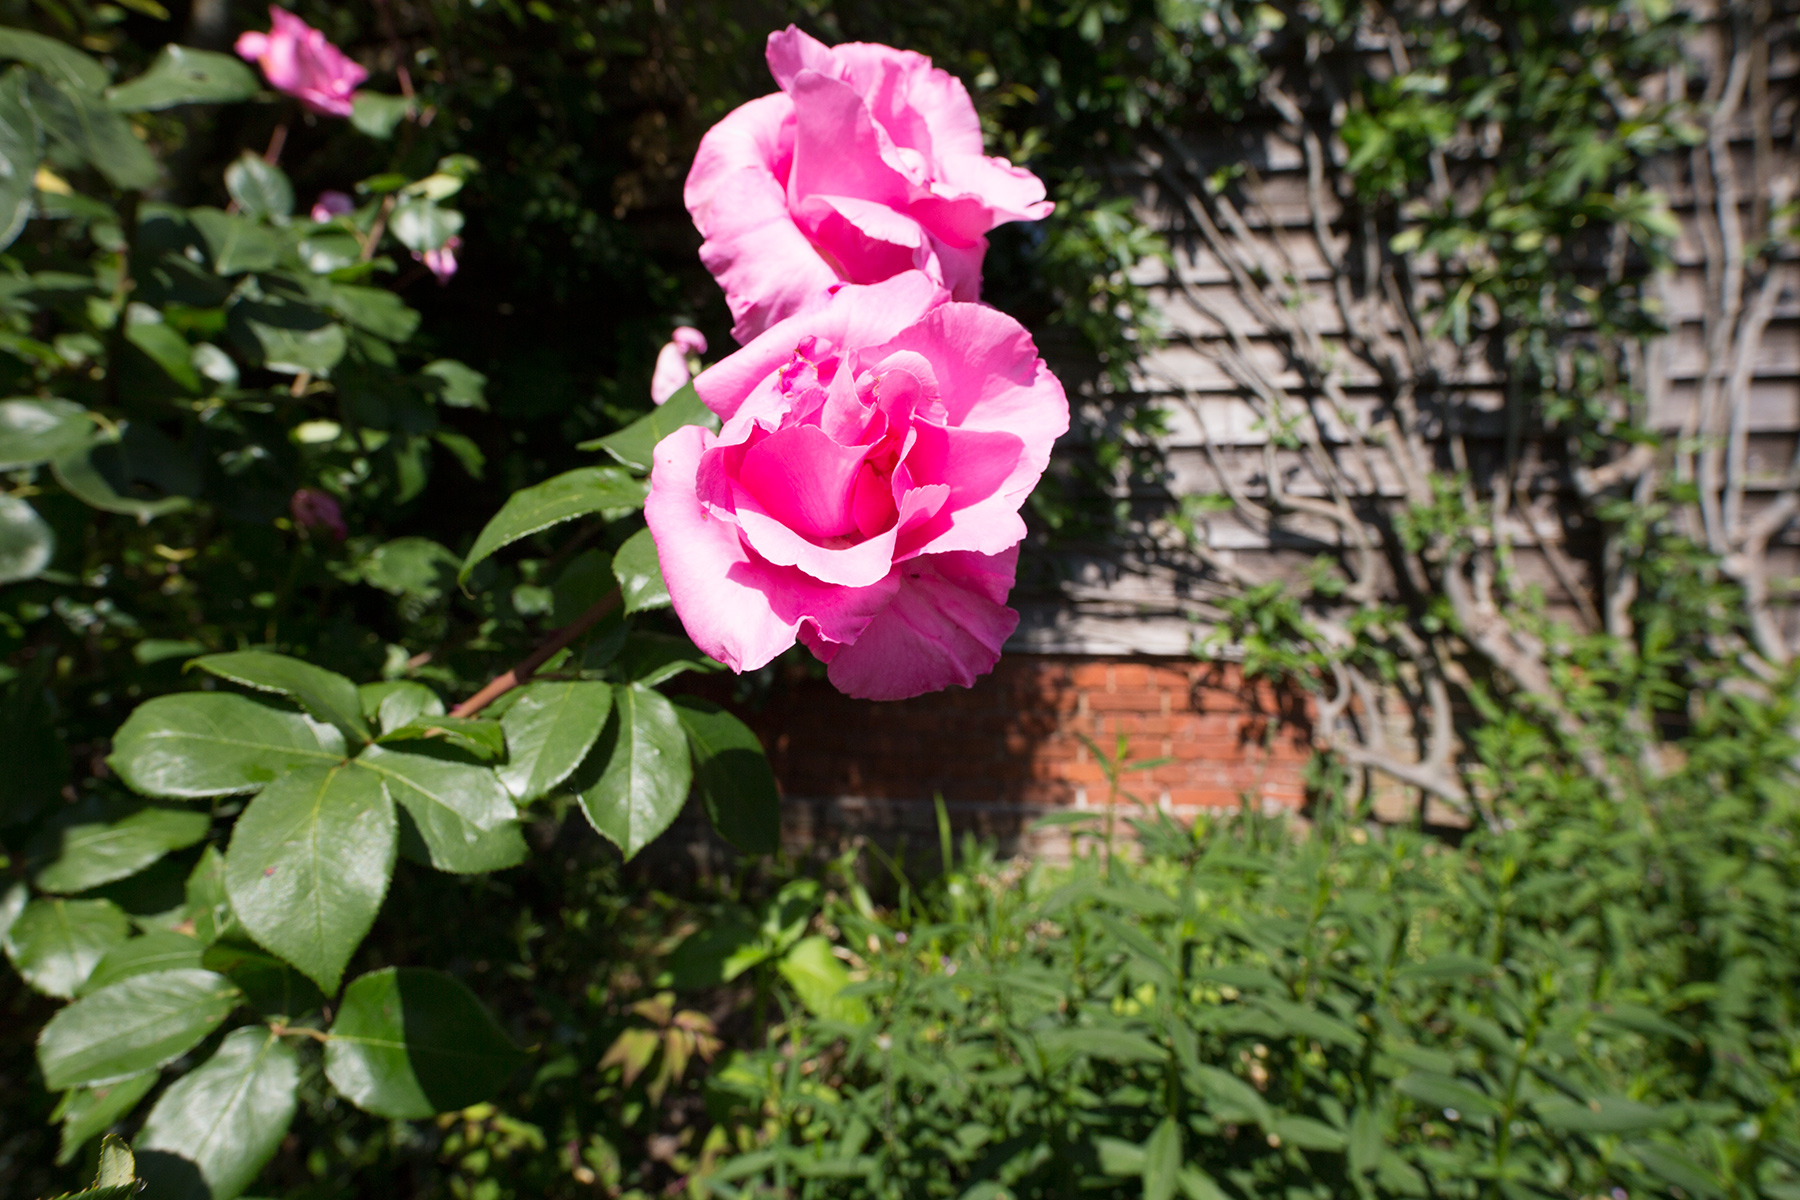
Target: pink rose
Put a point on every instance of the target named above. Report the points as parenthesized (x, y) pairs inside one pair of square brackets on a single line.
[(863, 496), (315, 510), (672, 362), (866, 164), (296, 59), (330, 205), (441, 261)]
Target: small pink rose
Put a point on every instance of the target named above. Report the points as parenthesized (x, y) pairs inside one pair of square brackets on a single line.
[(672, 371), (330, 205), (867, 163), (315, 510), (863, 495), (296, 59), (441, 261)]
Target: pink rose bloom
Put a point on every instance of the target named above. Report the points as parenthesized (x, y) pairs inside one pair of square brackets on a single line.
[(330, 205), (866, 164), (442, 261), (863, 496), (672, 372), (315, 510), (296, 59)]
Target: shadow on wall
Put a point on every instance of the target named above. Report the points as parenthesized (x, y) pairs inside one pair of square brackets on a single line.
[(1011, 750)]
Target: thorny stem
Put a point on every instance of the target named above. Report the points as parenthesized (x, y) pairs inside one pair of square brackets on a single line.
[(502, 684)]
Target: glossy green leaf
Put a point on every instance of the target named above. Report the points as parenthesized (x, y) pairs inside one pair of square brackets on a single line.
[(644, 770), (196, 744), (58, 60), (309, 865), (133, 1025), (87, 1112), (732, 775), (411, 566), (97, 853), (56, 944), (417, 781), (549, 729), (145, 955), (395, 702), (207, 907), (325, 694), (577, 493), (422, 225), (261, 189), (34, 431), (21, 148), (164, 346), (459, 385), (639, 573), (435, 836), (182, 75), (632, 445), (376, 115), (209, 1135), (27, 543), (270, 984), (377, 310), (410, 1043), (477, 736), (236, 244), (819, 979), (583, 583), (83, 125), (655, 658), (299, 349), (103, 476)]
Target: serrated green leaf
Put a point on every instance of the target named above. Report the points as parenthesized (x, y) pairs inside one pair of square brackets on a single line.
[(93, 854), (236, 244), (325, 694), (478, 736), (549, 729), (182, 75), (645, 770), (732, 775), (83, 125), (437, 837), (207, 905), (198, 744), (632, 445), (819, 979), (420, 782), (55, 944), (270, 984), (651, 659), (395, 702), (144, 955), (34, 431), (132, 1026), (309, 865), (261, 189), (209, 1135), (410, 1043), (58, 60), (86, 1112), (27, 543), (639, 573), (577, 493)]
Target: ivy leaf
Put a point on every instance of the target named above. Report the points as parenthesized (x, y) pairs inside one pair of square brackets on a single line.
[(644, 770), (549, 730), (132, 1026), (270, 984), (411, 1043), (572, 494), (27, 543), (99, 853), (419, 782), (87, 1111), (211, 1132), (36, 431), (180, 75), (632, 445), (482, 738), (732, 775), (325, 694), (639, 573), (83, 125), (309, 864), (196, 744), (59, 60), (144, 955), (260, 188), (55, 944)]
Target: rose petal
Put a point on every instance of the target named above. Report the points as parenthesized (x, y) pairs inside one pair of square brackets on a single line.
[(804, 480)]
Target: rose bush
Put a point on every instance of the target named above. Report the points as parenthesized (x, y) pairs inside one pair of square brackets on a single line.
[(863, 495), (868, 163)]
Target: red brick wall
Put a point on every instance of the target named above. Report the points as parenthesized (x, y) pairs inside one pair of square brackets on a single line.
[(1009, 749)]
